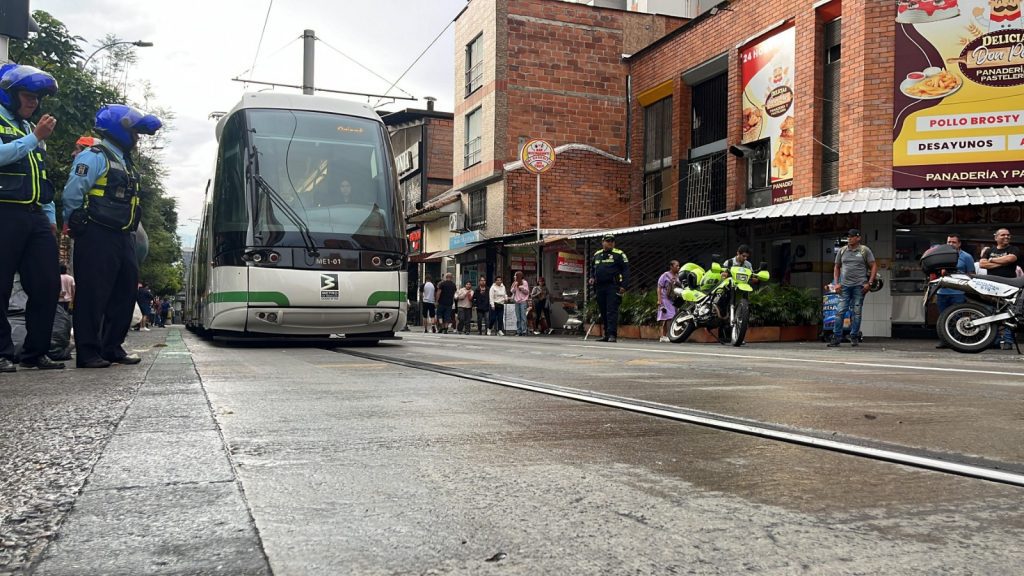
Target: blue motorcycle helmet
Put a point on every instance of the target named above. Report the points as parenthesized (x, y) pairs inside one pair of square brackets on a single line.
[(16, 78), (116, 122)]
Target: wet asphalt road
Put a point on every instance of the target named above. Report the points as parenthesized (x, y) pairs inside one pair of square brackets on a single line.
[(251, 460)]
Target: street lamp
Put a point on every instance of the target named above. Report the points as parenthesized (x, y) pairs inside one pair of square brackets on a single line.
[(139, 43)]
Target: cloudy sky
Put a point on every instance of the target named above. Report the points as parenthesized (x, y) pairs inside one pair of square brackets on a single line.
[(200, 46)]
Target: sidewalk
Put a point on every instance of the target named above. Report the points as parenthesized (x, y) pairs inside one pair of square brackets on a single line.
[(120, 470)]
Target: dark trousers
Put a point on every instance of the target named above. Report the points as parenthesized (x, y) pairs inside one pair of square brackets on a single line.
[(608, 301), (465, 319), (481, 320), (497, 320), (27, 247), (105, 290)]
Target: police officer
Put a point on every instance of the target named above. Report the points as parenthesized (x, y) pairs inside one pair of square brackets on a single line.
[(101, 207), (610, 275), (28, 241)]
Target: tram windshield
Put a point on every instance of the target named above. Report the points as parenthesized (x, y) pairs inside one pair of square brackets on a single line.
[(334, 173)]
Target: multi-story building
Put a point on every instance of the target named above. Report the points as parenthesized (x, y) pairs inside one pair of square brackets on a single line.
[(544, 69), (422, 143), (783, 124)]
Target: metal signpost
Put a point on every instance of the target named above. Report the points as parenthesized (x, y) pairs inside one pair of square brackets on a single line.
[(538, 156)]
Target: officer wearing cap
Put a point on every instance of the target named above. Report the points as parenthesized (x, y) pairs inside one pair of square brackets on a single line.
[(101, 207), (27, 220), (610, 276)]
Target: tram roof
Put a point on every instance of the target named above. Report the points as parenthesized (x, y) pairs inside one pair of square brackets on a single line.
[(298, 102)]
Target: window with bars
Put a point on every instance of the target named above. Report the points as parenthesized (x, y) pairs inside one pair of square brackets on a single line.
[(705, 186), (477, 209), (710, 111), (474, 64), (474, 137), (830, 113), (657, 157)]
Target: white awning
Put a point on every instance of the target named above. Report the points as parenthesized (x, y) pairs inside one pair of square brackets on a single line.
[(855, 201), (882, 200)]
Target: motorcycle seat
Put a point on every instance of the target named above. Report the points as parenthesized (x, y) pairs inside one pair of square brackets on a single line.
[(1015, 282)]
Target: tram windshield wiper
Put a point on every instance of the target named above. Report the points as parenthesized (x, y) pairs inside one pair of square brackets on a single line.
[(278, 202)]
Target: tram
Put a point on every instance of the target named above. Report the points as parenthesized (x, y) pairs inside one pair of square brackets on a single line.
[(302, 232)]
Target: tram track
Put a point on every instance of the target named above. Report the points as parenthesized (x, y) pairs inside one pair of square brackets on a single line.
[(947, 463)]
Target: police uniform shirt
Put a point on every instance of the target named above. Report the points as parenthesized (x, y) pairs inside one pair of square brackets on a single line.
[(18, 149), (88, 166)]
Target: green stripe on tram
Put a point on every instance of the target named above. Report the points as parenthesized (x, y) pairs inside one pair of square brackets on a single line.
[(275, 297), (385, 296)]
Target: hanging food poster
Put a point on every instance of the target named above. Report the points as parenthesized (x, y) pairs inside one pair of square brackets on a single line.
[(767, 69), (959, 93)]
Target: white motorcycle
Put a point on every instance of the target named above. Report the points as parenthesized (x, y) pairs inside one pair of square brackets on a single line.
[(992, 303)]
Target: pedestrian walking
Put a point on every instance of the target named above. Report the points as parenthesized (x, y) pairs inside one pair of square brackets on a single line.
[(144, 299), (1001, 260), (852, 275), (101, 207), (28, 227), (609, 276), (946, 297), (67, 289), (482, 305), (541, 307), (446, 302), (165, 309), (498, 299), (521, 298), (668, 281), (464, 304), (429, 306)]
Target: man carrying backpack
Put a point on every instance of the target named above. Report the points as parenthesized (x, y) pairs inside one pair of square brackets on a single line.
[(854, 272)]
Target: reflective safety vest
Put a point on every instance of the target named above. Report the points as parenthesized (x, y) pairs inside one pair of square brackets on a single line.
[(23, 181), (113, 201)]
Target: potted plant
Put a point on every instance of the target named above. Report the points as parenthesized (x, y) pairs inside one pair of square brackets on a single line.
[(795, 312)]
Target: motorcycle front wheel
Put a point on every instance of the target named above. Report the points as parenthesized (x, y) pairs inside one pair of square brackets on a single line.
[(740, 321), (955, 329), (681, 327)]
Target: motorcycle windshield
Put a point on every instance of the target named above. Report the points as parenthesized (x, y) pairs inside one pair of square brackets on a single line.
[(741, 273)]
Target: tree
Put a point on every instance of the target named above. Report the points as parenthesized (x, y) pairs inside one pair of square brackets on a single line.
[(81, 93)]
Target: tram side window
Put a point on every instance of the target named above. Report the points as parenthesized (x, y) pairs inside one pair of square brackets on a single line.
[(230, 218)]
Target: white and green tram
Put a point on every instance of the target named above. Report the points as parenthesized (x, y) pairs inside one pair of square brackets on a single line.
[(302, 231)]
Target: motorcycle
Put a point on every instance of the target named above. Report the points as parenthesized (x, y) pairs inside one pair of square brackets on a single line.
[(993, 302), (710, 299), (574, 311)]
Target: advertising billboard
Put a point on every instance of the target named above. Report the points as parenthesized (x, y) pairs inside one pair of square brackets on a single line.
[(958, 118), (767, 76)]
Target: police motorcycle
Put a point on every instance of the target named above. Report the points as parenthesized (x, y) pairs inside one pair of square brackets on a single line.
[(993, 302), (710, 299), (573, 307)]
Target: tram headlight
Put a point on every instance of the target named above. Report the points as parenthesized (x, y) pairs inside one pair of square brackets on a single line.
[(257, 257), (274, 257)]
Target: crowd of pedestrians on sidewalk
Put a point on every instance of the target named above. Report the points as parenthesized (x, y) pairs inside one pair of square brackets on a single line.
[(446, 308)]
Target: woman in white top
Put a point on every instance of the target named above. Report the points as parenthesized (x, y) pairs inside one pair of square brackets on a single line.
[(498, 299)]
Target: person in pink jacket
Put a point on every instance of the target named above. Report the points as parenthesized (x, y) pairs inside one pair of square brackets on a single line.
[(521, 297)]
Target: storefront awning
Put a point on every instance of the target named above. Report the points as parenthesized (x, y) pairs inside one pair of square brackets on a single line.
[(455, 251), (424, 257), (863, 200), (882, 200)]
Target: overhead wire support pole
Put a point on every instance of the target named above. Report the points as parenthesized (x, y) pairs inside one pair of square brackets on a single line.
[(308, 45)]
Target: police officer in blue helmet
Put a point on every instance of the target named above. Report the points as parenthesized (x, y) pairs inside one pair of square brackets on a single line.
[(28, 243), (101, 207)]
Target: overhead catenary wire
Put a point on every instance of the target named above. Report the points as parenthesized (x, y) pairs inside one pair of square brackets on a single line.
[(262, 32), (272, 54), (429, 46), (360, 64)]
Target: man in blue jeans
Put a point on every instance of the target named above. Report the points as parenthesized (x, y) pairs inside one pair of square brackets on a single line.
[(852, 275), (946, 297)]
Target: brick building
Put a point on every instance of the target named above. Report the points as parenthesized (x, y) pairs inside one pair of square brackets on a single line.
[(422, 144), (541, 69), (783, 123)]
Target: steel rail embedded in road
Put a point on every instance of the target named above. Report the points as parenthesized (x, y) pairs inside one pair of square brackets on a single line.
[(716, 421)]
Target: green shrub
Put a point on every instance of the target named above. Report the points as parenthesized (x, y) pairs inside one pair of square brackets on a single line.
[(776, 305)]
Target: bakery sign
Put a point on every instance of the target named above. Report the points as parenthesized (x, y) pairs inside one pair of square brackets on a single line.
[(959, 75), (768, 96)]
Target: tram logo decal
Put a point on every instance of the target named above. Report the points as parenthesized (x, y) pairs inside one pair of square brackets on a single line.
[(329, 287)]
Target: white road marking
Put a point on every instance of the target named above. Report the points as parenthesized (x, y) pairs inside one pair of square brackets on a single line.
[(973, 371)]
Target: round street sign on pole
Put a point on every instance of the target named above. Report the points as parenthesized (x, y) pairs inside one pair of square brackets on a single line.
[(538, 156)]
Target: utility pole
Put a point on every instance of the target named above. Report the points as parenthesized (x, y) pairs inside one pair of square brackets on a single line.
[(308, 40)]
